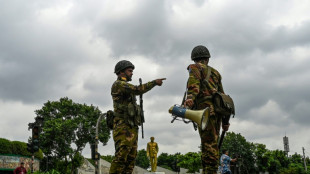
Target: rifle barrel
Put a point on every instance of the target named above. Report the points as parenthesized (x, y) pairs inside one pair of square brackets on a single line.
[(142, 113)]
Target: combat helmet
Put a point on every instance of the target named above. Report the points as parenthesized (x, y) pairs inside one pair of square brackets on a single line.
[(200, 51), (121, 65)]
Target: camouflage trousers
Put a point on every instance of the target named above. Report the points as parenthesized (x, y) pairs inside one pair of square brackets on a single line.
[(209, 146), (126, 144)]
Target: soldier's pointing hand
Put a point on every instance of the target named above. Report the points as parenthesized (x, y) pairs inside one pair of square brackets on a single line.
[(159, 82)]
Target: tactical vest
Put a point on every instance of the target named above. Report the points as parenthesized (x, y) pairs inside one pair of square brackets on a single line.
[(131, 112)]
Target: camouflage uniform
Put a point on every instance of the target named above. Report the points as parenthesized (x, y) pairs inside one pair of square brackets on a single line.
[(125, 124), (201, 94)]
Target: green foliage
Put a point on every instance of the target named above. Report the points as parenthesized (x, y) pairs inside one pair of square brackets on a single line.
[(5, 146), (167, 161), (252, 158), (277, 160), (142, 159), (296, 158), (108, 158), (260, 151), (49, 172), (77, 160), (92, 161), (66, 129), (237, 146), (293, 168), (190, 161), (166, 167), (17, 148)]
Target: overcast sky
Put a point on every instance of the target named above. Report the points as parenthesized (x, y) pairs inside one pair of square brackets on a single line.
[(54, 49)]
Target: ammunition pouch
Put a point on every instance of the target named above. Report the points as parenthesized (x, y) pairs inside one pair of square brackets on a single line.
[(131, 113), (134, 113), (109, 119), (223, 104)]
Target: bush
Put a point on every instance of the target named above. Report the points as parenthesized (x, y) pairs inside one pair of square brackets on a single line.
[(5, 146), (49, 172), (17, 148)]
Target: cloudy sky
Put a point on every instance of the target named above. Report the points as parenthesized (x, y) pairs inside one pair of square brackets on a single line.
[(53, 49)]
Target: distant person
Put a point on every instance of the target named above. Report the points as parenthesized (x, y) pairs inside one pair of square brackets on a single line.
[(21, 169), (151, 152), (225, 163)]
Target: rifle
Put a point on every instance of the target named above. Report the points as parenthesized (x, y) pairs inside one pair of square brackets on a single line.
[(225, 122), (142, 112)]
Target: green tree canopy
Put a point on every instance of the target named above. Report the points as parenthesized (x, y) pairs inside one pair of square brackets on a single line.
[(190, 161), (168, 161), (142, 159), (17, 148), (261, 159), (66, 128), (237, 146)]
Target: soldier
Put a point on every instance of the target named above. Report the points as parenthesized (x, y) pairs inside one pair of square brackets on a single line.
[(199, 96), (127, 117), (151, 152)]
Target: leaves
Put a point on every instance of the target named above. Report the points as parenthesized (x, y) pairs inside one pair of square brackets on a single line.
[(142, 159), (237, 146), (190, 161), (68, 127), (168, 161)]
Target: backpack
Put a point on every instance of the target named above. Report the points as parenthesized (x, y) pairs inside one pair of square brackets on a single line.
[(109, 119)]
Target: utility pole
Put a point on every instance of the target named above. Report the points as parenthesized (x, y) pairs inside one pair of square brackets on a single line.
[(97, 154), (303, 151)]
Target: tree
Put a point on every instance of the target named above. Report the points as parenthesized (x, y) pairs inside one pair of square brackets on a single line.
[(66, 128), (261, 159), (296, 165), (5, 146), (190, 161), (17, 148), (142, 159), (237, 146), (166, 161), (278, 160)]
